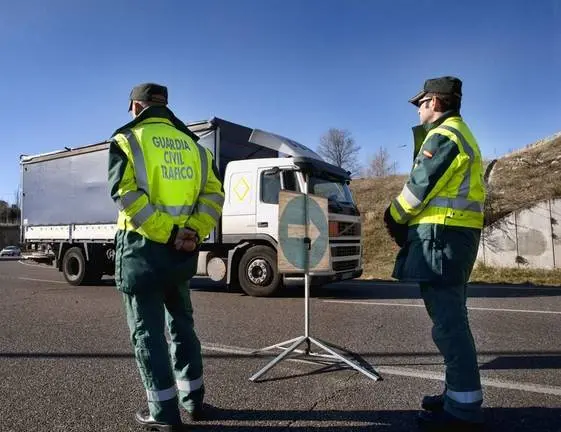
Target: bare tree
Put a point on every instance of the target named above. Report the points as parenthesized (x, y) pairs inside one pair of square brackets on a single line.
[(17, 199), (4, 211), (338, 147), (381, 164)]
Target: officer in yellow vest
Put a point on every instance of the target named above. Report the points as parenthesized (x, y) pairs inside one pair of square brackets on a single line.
[(437, 221), (170, 198)]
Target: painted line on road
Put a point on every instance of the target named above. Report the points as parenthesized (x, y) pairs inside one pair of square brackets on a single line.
[(489, 382), (227, 349), (423, 306), (407, 372), (36, 265), (42, 280)]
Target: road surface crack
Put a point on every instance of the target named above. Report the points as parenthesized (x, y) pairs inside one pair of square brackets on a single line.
[(342, 385)]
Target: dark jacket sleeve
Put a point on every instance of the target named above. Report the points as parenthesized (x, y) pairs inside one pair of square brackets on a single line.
[(434, 166)]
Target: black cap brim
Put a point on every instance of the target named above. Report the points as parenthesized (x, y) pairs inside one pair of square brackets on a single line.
[(130, 105), (415, 99)]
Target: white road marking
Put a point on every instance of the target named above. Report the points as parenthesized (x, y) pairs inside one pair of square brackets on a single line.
[(408, 372), (37, 265), (227, 349), (422, 306), (490, 382), (42, 280)]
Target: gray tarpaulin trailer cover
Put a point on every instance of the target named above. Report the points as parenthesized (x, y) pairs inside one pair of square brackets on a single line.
[(70, 186), (67, 187)]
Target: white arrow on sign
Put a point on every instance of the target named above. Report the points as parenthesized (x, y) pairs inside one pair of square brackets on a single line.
[(299, 231)]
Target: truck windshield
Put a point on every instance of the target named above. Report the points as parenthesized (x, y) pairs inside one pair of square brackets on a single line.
[(333, 191)]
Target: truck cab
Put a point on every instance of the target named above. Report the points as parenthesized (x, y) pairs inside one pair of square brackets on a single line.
[(249, 225), (251, 214)]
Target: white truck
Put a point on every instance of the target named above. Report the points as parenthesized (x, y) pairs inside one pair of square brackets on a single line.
[(67, 210)]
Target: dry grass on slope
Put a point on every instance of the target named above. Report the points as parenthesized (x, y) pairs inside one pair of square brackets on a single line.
[(524, 178), (373, 196), (519, 276), (517, 181)]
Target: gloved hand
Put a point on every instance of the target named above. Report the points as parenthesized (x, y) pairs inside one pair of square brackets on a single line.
[(397, 231), (186, 240)]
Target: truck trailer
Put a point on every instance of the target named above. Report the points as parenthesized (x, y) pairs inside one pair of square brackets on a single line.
[(68, 213)]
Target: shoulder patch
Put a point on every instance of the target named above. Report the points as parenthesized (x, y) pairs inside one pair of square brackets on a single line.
[(427, 153)]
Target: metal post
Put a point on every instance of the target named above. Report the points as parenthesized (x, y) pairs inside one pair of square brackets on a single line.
[(306, 263), (332, 356)]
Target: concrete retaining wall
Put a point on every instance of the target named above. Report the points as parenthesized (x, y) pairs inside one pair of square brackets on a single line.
[(528, 238)]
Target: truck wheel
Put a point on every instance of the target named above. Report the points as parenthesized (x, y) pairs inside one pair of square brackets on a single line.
[(77, 271), (257, 273), (74, 266)]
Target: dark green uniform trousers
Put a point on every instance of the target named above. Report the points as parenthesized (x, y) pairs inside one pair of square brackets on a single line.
[(446, 306), (147, 314)]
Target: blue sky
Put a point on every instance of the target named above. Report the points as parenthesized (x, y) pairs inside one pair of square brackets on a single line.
[(294, 67)]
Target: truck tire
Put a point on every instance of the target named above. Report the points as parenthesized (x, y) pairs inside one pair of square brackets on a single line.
[(77, 271), (258, 273)]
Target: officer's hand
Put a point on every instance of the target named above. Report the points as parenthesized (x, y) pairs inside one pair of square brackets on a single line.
[(186, 234), (397, 231), (186, 240), (390, 223), (186, 245)]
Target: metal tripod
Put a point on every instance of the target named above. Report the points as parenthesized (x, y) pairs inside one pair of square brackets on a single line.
[(332, 356)]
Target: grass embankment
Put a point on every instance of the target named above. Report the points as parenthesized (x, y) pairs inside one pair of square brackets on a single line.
[(522, 276), (517, 181)]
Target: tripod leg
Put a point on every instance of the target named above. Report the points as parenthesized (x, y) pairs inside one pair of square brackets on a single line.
[(360, 369), (279, 345), (279, 358)]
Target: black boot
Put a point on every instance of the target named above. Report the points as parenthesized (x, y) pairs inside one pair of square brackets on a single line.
[(442, 421), (198, 413), (144, 418), (433, 403)]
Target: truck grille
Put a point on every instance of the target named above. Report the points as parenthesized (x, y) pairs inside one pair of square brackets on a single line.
[(339, 251), (349, 229), (345, 265)]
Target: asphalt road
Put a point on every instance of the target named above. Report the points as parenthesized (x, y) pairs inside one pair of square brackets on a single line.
[(66, 363)]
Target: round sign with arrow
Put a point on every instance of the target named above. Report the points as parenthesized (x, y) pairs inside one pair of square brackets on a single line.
[(294, 245)]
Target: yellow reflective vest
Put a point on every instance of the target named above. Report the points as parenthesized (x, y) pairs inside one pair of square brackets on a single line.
[(167, 180), (446, 185)]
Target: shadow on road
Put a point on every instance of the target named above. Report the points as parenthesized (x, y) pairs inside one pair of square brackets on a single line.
[(505, 360), (377, 290), (508, 419), (524, 362), (385, 290), (372, 289)]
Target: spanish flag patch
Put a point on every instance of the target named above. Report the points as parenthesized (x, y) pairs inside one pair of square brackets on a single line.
[(427, 153)]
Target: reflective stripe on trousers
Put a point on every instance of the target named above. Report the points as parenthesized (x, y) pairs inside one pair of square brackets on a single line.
[(465, 397), (161, 395), (189, 386)]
